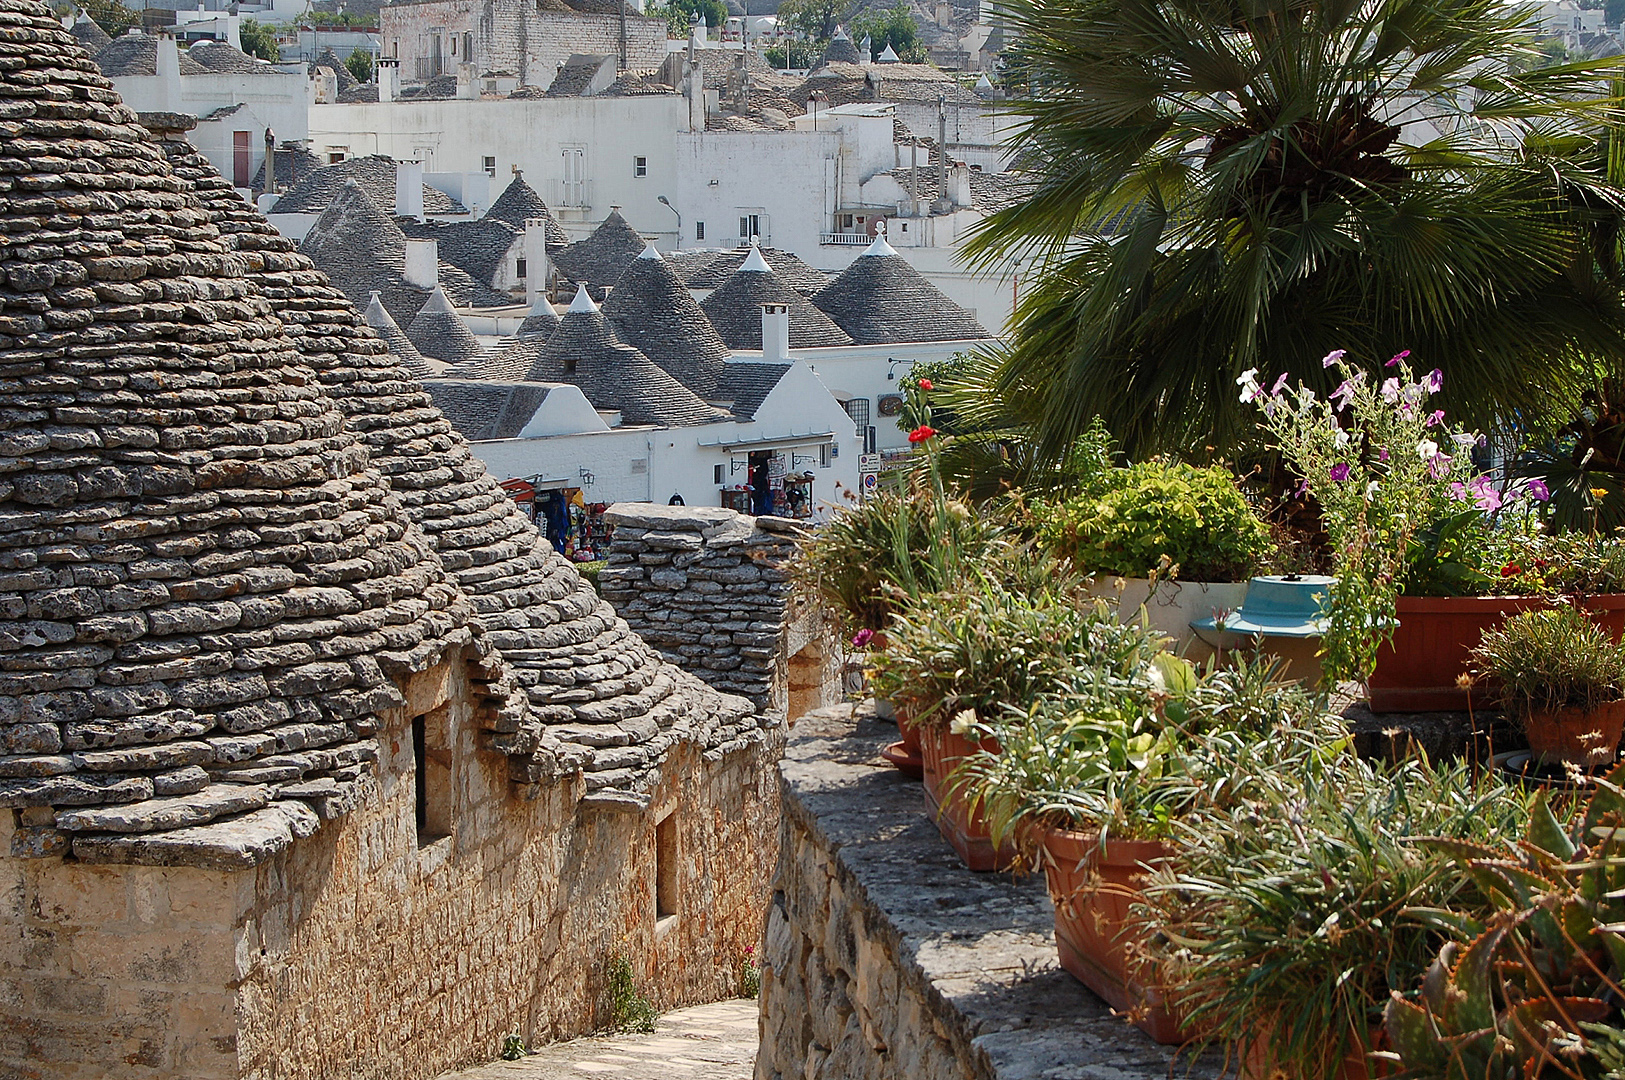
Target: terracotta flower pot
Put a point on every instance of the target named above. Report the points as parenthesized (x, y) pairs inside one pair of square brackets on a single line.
[(1584, 737), (1419, 670), (1258, 1063), (1093, 888), (904, 754), (941, 751)]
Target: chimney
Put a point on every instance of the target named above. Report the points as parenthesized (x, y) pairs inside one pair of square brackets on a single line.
[(958, 189), (409, 189), (776, 333), (388, 76), (468, 87), (169, 72), (537, 267), (422, 263), (234, 35)]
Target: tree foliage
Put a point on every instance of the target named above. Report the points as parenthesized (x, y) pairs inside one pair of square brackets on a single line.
[(112, 16), (895, 25), (360, 64), (259, 40), (679, 15), (813, 20), (1223, 187)]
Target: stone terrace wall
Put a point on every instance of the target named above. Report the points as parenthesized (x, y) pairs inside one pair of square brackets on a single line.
[(886, 959), (708, 587)]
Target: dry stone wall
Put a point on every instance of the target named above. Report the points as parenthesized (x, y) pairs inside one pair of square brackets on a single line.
[(885, 959), (709, 588)]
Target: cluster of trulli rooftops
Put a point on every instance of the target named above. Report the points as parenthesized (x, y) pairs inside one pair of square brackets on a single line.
[(647, 336)]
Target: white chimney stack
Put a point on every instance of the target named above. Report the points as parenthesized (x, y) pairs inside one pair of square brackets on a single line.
[(388, 76), (776, 333), (169, 71), (537, 267), (409, 189), (959, 193), (422, 263)]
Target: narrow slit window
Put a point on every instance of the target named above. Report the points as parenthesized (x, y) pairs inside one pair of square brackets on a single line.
[(666, 868), (431, 760)]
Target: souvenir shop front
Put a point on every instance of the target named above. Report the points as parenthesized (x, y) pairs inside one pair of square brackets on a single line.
[(574, 526), (774, 476)]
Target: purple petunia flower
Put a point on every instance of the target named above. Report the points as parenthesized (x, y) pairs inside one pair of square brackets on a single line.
[(1486, 494), (1340, 471), (1333, 357), (1436, 418), (1275, 391), (1343, 394), (1435, 381), (1397, 358), (1537, 490), (1303, 488)]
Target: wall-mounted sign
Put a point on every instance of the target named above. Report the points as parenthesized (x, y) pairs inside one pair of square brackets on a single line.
[(891, 404)]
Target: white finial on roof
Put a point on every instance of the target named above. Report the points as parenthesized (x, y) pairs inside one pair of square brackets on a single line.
[(879, 247), (984, 83), (582, 302), (649, 252), (888, 56), (376, 314), (541, 306), (437, 300), (840, 34), (754, 263)]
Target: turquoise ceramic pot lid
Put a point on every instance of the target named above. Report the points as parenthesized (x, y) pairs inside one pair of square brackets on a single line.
[(1286, 605)]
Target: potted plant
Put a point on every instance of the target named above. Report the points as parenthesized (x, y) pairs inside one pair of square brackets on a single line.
[(1094, 783), (1177, 541), (1562, 678), (1292, 912), (999, 640)]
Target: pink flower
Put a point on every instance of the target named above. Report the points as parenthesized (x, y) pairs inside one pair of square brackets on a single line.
[(1343, 394), (1435, 381), (1439, 466), (1397, 358), (925, 384), (1436, 419), (1390, 390), (1382, 455), (1303, 488), (1280, 384), (1486, 495), (1458, 491), (862, 638), (1333, 357), (1340, 471)]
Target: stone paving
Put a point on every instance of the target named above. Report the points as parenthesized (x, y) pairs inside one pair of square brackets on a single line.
[(708, 1042)]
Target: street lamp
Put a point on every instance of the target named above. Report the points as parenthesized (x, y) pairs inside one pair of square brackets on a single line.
[(667, 204)]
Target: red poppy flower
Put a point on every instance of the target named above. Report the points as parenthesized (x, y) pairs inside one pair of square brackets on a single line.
[(925, 384), (1510, 569), (921, 433)]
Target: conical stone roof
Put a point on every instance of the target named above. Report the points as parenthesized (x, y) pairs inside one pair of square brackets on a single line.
[(89, 34), (603, 257), (439, 334), (363, 251), (572, 681), (881, 300), (541, 321), (790, 270), (583, 351), (186, 487), (379, 319), (652, 312), (841, 50), (735, 309), (135, 53), (518, 203)]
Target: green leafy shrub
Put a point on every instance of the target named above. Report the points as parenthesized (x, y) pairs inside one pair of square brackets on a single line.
[(629, 1009), (1126, 521), (360, 64), (1546, 660)]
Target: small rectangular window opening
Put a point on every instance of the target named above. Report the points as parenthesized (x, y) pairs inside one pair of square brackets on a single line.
[(640, 166), (519, 270), (699, 230), (431, 762), (490, 166), (666, 867), (718, 474)]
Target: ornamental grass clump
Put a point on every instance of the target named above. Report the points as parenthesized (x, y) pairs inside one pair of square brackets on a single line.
[(1294, 910), (992, 643), (1557, 658)]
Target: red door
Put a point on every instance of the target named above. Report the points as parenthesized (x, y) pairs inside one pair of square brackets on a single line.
[(242, 153)]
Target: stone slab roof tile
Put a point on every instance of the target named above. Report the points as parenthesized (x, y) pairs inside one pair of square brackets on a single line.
[(223, 58), (652, 311), (375, 174), (439, 334), (746, 384), (602, 257), (478, 248), (89, 34), (558, 663), (735, 309), (881, 300), (177, 483), (137, 54)]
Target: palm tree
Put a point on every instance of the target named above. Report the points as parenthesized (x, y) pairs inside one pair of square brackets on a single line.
[(1232, 185)]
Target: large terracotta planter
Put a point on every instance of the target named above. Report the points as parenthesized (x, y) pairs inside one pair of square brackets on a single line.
[(1584, 737), (941, 751), (1419, 670), (1174, 605), (1093, 888)]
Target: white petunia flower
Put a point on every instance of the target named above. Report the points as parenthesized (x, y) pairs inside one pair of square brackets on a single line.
[(1427, 449)]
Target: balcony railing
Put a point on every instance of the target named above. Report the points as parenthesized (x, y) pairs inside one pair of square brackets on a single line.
[(845, 239)]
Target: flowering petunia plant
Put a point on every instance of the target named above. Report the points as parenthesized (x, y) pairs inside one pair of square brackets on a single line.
[(1382, 463)]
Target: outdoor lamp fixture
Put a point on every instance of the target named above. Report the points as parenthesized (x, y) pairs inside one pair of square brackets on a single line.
[(891, 367), (667, 204)]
